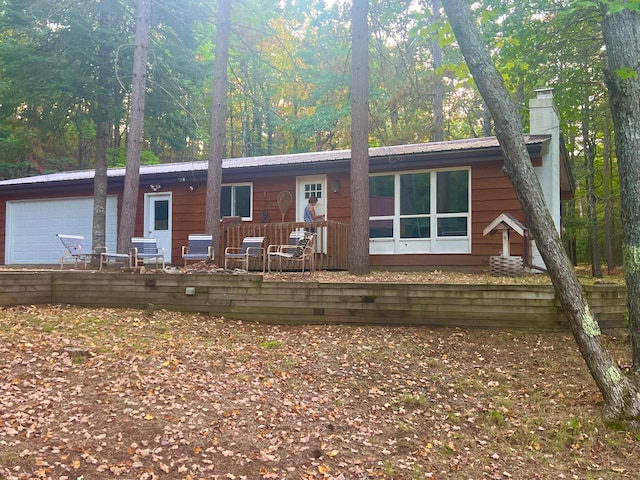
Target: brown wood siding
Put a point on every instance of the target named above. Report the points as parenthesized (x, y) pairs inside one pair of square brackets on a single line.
[(265, 198), (492, 194), (188, 216)]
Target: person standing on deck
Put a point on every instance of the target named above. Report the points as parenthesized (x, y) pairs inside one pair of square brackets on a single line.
[(310, 210)]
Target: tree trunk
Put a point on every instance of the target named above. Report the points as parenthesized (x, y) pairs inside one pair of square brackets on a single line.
[(359, 237), (218, 123), (100, 186), (622, 37), (129, 208), (609, 226), (569, 236), (486, 121), (438, 88), (101, 114), (621, 396), (592, 203)]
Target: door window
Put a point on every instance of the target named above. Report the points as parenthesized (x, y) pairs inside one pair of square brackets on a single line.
[(312, 190), (161, 215)]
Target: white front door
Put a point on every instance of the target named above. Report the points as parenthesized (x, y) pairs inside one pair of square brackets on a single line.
[(157, 220), (313, 186)]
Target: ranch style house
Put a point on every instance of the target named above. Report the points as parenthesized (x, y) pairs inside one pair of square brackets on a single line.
[(429, 203)]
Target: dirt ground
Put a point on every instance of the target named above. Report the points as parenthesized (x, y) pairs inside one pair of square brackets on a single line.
[(106, 393)]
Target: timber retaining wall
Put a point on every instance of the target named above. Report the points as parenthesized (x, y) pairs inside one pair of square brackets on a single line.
[(248, 297)]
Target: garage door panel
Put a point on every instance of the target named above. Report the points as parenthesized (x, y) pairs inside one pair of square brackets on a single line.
[(32, 226)]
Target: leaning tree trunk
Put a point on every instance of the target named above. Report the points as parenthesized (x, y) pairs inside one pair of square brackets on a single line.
[(621, 396), (359, 238), (129, 208), (622, 37), (218, 124)]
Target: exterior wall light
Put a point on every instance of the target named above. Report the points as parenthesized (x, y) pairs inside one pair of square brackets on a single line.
[(335, 186)]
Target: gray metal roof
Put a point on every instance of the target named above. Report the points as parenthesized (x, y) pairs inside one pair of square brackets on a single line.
[(275, 160)]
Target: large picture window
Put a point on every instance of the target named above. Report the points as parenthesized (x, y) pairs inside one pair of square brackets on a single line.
[(420, 212), (236, 201)]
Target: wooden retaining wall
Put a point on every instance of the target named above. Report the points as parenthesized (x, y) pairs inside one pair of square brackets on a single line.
[(249, 298), (25, 288)]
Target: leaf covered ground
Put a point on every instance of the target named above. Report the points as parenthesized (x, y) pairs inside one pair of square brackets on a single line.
[(107, 393)]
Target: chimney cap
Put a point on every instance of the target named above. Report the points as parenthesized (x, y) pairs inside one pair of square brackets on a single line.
[(546, 92)]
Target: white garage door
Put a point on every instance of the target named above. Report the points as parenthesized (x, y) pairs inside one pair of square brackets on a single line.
[(32, 226)]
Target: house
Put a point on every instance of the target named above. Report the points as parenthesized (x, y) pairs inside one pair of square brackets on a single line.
[(429, 202)]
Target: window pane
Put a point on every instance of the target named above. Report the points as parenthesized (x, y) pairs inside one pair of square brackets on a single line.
[(225, 202), (452, 227), (415, 228), (242, 201), (453, 191), (313, 190), (381, 195), (415, 194), (381, 229), (161, 215)]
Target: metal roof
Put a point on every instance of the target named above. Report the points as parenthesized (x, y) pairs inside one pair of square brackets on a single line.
[(275, 160)]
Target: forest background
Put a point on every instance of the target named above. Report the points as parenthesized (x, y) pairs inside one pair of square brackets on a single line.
[(66, 73)]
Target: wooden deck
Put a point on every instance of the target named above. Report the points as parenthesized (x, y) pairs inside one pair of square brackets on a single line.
[(331, 243), (248, 297)]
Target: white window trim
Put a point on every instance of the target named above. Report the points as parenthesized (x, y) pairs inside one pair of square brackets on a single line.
[(233, 193), (434, 244)]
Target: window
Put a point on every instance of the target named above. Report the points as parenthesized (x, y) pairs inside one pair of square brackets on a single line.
[(420, 212), (381, 206), (415, 200), (161, 215), (236, 201), (453, 200), (313, 190)]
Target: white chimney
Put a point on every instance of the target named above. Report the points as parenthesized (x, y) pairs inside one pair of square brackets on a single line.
[(544, 120)]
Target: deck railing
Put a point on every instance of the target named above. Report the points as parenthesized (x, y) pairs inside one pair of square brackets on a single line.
[(331, 242)]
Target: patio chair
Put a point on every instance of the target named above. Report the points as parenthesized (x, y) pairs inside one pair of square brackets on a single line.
[(300, 250), (199, 248), (114, 257), (251, 248), (143, 249), (77, 249)]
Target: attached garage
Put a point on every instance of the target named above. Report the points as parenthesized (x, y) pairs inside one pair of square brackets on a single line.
[(32, 225)]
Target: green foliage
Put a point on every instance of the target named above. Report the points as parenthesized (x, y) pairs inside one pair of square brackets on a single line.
[(66, 69), (117, 157), (69, 68), (627, 73), (616, 6), (13, 151)]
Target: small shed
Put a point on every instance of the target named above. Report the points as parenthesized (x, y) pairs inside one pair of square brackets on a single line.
[(505, 264)]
